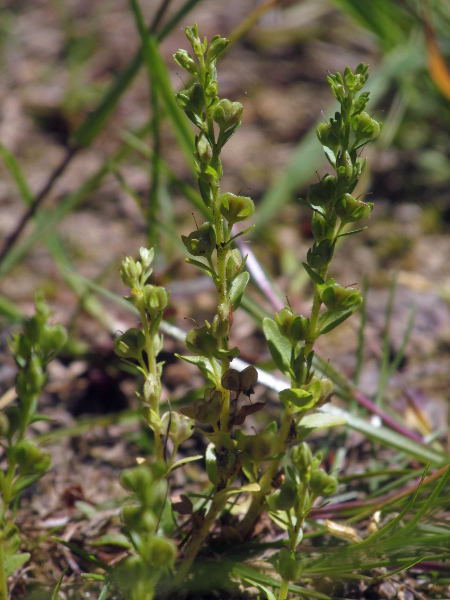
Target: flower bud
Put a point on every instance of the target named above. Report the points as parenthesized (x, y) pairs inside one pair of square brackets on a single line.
[(192, 36), (137, 480), (130, 344), (216, 46), (181, 427), (320, 255), (227, 114), (236, 208), (322, 484), (128, 572), (288, 567), (208, 408), (233, 264), (345, 167), (191, 99), (212, 89), (335, 297), (130, 271), (204, 150), (30, 379), (285, 497), (161, 552), (139, 519), (151, 390), (365, 127), (185, 60), (156, 299), (220, 327), (31, 459), (292, 326), (321, 228), (53, 340), (258, 447), (200, 341), (327, 137), (201, 242), (146, 255), (302, 458), (350, 209)]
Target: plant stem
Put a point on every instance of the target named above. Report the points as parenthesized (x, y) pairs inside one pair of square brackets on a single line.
[(265, 483), (197, 541), (3, 582), (284, 589), (152, 374)]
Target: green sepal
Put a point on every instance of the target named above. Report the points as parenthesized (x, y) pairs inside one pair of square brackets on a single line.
[(237, 289), (315, 277), (279, 346)]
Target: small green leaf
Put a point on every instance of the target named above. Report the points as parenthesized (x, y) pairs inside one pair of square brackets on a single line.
[(250, 487), (317, 421), (237, 289), (279, 346), (315, 277), (203, 364), (201, 265), (184, 461), (195, 119), (330, 320), (113, 539), (12, 563), (262, 588)]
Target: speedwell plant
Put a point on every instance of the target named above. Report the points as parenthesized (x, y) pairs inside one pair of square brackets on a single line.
[(283, 476)]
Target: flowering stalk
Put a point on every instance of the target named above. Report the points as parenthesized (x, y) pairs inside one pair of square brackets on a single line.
[(210, 247), (25, 461), (291, 337)]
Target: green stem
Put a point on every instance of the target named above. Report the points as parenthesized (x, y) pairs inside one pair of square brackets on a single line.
[(197, 540), (3, 581), (265, 483), (284, 589), (152, 372)]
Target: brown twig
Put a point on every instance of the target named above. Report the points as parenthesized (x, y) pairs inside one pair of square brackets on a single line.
[(10, 241)]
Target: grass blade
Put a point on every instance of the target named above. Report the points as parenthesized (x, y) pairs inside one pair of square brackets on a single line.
[(390, 438), (95, 122), (58, 585)]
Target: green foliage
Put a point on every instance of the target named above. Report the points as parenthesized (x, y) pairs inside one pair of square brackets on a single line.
[(26, 461)]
